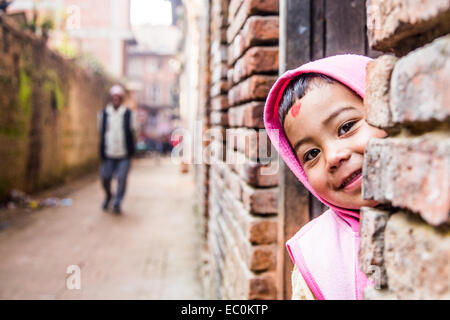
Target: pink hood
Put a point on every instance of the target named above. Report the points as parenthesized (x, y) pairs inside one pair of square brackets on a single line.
[(349, 69)]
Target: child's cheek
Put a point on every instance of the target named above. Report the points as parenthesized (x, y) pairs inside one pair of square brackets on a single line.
[(369, 133)]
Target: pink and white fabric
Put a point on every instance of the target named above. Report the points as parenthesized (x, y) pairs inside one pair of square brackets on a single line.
[(326, 249)]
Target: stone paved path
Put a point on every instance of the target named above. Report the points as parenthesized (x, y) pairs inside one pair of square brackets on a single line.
[(149, 252)]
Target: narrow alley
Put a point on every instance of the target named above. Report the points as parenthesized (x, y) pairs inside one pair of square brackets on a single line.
[(128, 256)]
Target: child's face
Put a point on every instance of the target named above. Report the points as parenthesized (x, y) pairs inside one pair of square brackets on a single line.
[(329, 135)]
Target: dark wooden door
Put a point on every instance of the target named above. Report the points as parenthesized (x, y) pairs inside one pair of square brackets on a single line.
[(309, 30)]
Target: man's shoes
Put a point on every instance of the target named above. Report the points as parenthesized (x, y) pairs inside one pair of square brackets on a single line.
[(116, 209), (105, 204)]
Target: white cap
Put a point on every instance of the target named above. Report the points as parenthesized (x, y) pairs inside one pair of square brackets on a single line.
[(116, 90)]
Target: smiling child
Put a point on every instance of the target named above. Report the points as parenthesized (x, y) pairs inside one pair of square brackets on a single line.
[(314, 116)]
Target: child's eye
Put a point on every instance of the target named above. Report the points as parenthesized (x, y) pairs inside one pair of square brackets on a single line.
[(346, 127), (311, 154)]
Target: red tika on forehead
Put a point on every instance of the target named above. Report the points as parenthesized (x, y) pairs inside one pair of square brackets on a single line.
[(295, 109)]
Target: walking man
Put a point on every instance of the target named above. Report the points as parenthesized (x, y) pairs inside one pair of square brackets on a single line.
[(116, 123)]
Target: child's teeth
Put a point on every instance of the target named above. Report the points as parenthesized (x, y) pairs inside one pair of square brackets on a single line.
[(350, 178)]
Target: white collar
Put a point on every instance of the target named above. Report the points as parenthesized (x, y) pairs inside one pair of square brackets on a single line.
[(110, 109)]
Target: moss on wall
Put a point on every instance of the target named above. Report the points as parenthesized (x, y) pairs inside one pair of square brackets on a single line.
[(48, 130), (52, 86), (25, 91)]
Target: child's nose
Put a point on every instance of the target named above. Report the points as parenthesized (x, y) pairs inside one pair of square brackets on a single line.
[(336, 157)]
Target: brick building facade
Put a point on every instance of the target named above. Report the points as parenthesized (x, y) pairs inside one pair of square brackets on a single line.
[(405, 244), (240, 204)]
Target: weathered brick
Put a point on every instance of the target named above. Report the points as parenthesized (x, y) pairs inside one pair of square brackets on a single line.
[(412, 173), (233, 183), (255, 144), (372, 293), (233, 8), (420, 82), (219, 12), (219, 53), (262, 257), (219, 88), (247, 9), (257, 257), (262, 287), (244, 140), (417, 258), (214, 152), (219, 72), (230, 269), (219, 118), (261, 230), (258, 174), (376, 99), (258, 30), (236, 116), (249, 115), (393, 24), (219, 102), (255, 229), (260, 201), (255, 60), (254, 173), (254, 88), (371, 250)]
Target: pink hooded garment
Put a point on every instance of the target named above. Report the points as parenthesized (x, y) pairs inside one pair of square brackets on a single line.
[(325, 250)]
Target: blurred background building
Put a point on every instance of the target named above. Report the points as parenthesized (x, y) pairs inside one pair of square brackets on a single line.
[(152, 67), (141, 55), (99, 30)]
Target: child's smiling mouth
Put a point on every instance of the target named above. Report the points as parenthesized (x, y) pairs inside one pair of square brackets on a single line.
[(352, 181)]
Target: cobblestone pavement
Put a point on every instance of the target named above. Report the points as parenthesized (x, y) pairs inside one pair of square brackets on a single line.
[(151, 251)]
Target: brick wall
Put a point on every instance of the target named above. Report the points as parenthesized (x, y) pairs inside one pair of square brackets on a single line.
[(405, 247), (242, 198), (48, 123)]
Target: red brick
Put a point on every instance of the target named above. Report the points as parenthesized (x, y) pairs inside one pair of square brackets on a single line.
[(392, 24), (376, 99), (416, 258), (236, 116), (420, 84), (262, 231), (257, 31), (233, 183), (257, 257), (371, 249), (249, 115), (262, 258), (219, 118), (219, 12), (256, 229), (247, 9), (256, 60), (219, 88), (262, 287), (254, 173), (260, 201), (233, 8), (219, 102), (254, 88), (218, 53), (253, 143), (412, 173), (219, 72)]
